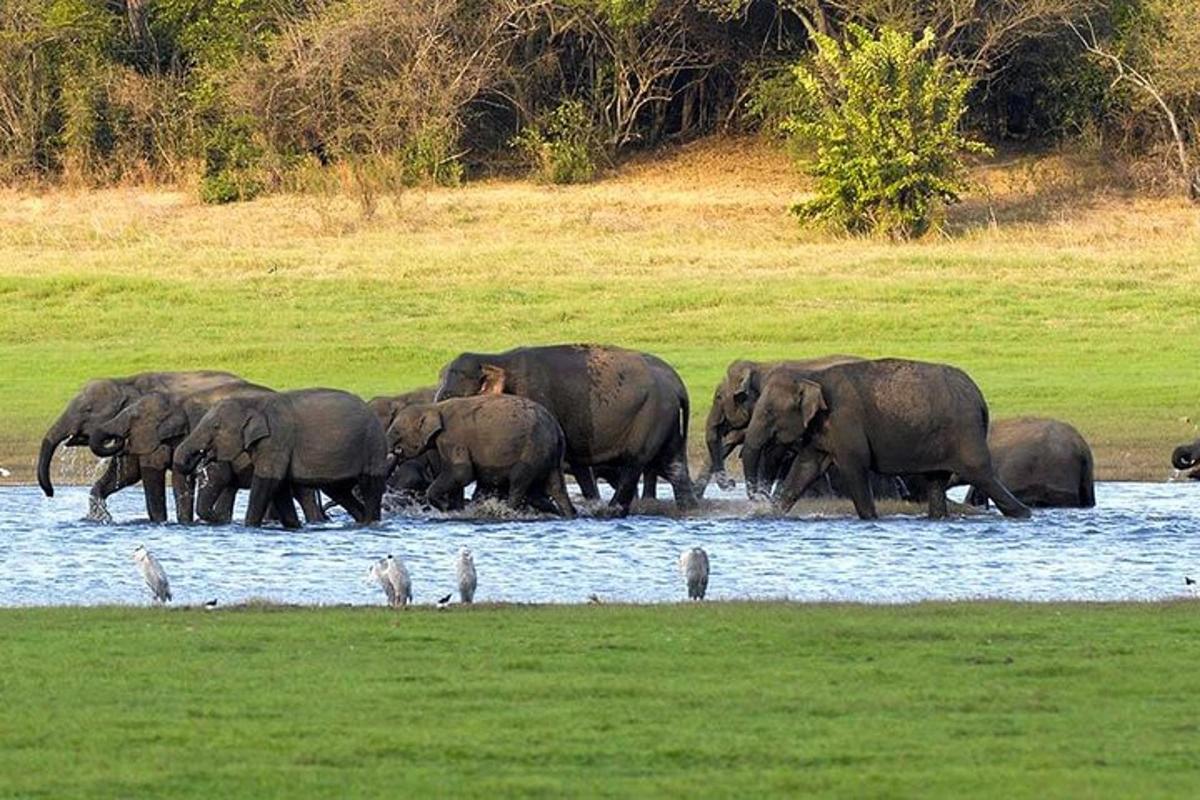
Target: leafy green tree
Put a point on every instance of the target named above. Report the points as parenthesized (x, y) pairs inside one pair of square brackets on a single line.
[(883, 114)]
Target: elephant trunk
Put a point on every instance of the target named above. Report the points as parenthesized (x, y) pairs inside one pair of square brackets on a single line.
[(1184, 456), (751, 460), (187, 458), (106, 443), (60, 431)]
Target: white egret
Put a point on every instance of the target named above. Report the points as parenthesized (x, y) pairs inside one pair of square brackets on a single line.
[(465, 568), (152, 571), (693, 565), (393, 578)]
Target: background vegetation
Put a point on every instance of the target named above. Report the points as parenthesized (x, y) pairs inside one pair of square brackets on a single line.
[(986, 700), (241, 96)]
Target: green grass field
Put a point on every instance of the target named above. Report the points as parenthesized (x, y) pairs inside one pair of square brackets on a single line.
[(715, 700), (1069, 303)]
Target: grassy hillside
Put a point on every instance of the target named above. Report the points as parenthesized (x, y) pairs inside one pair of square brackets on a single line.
[(1058, 297), (978, 700)]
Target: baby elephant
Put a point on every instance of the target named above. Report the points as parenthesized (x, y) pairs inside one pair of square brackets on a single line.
[(318, 438), (505, 443)]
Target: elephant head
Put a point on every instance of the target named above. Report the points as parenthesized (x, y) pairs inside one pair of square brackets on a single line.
[(783, 417), (1187, 456), (414, 430), (471, 374), (230, 429), (141, 428), (386, 407), (98, 402), (733, 403)]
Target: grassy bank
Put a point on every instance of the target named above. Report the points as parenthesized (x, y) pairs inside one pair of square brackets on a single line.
[(1058, 298), (975, 699)]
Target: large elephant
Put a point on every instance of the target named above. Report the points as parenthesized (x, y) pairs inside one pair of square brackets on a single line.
[(619, 409), (891, 416), (506, 445), (156, 421), (99, 401), (1045, 463), (317, 438), (733, 403)]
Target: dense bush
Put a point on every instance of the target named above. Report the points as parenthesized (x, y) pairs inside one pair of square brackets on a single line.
[(564, 147), (883, 115)]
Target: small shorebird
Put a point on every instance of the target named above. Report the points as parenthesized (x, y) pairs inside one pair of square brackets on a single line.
[(693, 565), (153, 573), (465, 569)]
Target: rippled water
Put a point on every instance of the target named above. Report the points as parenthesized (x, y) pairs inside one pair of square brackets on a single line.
[(1137, 544)]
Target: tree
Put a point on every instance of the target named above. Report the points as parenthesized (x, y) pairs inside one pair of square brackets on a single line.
[(883, 113)]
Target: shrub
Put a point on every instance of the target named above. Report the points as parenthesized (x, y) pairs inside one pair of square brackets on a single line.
[(231, 164), (883, 113), (565, 146)]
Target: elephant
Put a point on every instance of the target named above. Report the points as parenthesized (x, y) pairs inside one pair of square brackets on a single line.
[(891, 416), (411, 477), (733, 403), (1187, 456), (504, 444), (157, 420), (322, 439), (619, 409), (725, 430), (1045, 463), (99, 401)]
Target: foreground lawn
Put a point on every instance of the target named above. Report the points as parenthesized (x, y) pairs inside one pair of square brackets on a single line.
[(733, 700), (1059, 299)]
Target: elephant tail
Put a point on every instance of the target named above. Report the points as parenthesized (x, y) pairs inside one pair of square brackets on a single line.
[(1087, 483)]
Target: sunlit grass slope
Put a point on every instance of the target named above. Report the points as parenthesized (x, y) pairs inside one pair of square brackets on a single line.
[(1057, 296)]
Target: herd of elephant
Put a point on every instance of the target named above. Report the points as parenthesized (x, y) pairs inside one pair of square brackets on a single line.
[(513, 423)]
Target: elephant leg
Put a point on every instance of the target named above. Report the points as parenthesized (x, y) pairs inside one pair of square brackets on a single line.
[(858, 484), (343, 495), (520, 479), (986, 481), (262, 493), (585, 479), (285, 509), (371, 488), (649, 485), (627, 480), (184, 488), (154, 483), (976, 498), (310, 504), (121, 471), (448, 485), (802, 474), (216, 490), (937, 495), (556, 489)]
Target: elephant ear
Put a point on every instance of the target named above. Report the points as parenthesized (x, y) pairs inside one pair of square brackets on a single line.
[(176, 424), (810, 400), (429, 427), (493, 379), (254, 429), (744, 384)]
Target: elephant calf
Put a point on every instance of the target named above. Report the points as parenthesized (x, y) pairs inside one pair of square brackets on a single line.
[(503, 443), (317, 438), (1045, 463)]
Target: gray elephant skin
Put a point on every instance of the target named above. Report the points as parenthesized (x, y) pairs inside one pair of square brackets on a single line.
[(102, 399), (891, 416), (157, 421), (322, 439), (507, 445), (1045, 463), (409, 478), (621, 411)]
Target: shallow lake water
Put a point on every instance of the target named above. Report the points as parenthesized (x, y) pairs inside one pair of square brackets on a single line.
[(1137, 544)]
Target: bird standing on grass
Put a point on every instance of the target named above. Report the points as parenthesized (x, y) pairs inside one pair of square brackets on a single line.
[(392, 577), (465, 569), (153, 573), (693, 565)]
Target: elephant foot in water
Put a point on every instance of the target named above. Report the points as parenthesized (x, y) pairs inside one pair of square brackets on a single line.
[(98, 510)]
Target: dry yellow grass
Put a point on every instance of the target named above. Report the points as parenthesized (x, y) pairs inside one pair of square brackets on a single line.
[(1059, 296)]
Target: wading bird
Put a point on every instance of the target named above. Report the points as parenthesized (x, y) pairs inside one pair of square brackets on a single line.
[(152, 571), (693, 565), (393, 578), (465, 568)]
